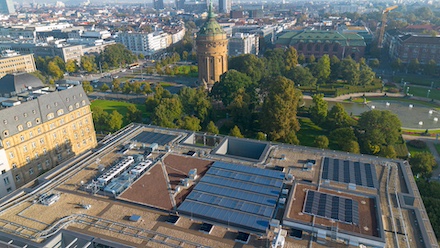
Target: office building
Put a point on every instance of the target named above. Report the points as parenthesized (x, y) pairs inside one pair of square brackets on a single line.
[(224, 6), (12, 62), (241, 43), (158, 4), (409, 47), (7, 7)]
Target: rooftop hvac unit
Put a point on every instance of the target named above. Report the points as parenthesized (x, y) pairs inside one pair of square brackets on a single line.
[(177, 189), (282, 201), (192, 174), (352, 186), (290, 177), (284, 191), (185, 182)]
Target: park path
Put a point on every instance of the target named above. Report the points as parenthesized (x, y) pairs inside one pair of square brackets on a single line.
[(430, 141), (347, 96)]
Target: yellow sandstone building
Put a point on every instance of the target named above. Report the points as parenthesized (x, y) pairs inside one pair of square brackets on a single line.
[(11, 62), (212, 51), (42, 128)]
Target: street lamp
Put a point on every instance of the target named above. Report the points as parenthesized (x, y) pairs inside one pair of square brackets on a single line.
[(407, 90), (427, 95)]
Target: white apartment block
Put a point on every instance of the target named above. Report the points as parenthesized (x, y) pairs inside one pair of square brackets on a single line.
[(241, 43), (7, 184), (145, 43)]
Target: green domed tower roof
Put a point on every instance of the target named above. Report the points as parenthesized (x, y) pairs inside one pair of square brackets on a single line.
[(211, 26)]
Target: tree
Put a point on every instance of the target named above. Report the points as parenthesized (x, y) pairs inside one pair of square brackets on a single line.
[(71, 66), (167, 112), (54, 70), (311, 59), (141, 56), (116, 85), (397, 64), (117, 55), (275, 60), (322, 69), (59, 62), (127, 88), (321, 141), (335, 65), (301, 59), (230, 83), (431, 67), (422, 163), (301, 76), (240, 109), (342, 136), (291, 59), (261, 136), (87, 87), (104, 88), (351, 146), (378, 128), (100, 117), (319, 110), (338, 118), (350, 71), (248, 64), (374, 63), (388, 151), (146, 88), (212, 128), (190, 123), (114, 121), (133, 114), (278, 114), (413, 65), (366, 75), (88, 63), (235, 132), (195, 102)]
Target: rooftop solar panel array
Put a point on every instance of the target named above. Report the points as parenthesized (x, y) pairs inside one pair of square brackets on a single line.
[(331, 207), (235, 195), (152, 137), (346, 171)]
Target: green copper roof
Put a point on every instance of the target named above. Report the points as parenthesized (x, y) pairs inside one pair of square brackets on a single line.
[(211, 26)]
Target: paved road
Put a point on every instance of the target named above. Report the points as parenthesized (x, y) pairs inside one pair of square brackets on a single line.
[(430, 141)]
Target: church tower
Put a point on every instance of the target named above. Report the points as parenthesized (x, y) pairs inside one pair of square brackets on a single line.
[(212, 51)]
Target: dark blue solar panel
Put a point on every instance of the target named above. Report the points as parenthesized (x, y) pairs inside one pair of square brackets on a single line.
[(346, 171), (232, 204), (362, 174), (249, 170), (152, 137), (242, 196), (246, 177), (265, 190), (235, 193), (325, 169), (357, 173), (331, 207), (335, 170), (225, 216), (369, 175)]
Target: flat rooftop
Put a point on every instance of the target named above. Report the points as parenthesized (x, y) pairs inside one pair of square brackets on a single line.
[(234, 185), (366, 223)]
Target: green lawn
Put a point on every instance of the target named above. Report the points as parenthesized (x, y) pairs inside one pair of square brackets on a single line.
[(119, 106), (423, 92), (437, 147), (418, 79), (308, 132), (412, 149)]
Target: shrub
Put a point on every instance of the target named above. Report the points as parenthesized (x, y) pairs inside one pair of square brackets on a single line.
[(417, 144)]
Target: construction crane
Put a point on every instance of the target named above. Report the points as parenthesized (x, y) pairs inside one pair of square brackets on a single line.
[(383, 24)]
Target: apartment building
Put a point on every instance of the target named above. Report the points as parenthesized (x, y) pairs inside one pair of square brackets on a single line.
[(241, 43)]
